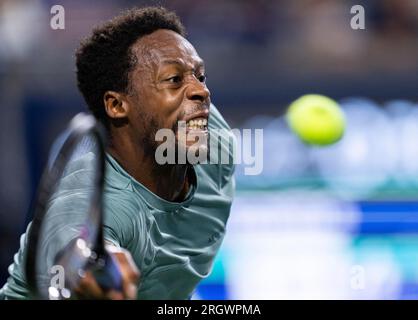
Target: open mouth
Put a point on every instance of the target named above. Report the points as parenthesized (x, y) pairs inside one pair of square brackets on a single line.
[(199, 123)]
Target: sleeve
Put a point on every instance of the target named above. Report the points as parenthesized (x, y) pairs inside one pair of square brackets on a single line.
[(15, 287), (116, 231)]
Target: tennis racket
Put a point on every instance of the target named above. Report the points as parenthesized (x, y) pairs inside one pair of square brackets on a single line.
[(65, 239)]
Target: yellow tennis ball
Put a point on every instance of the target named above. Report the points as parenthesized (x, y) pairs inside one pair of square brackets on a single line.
[(316, 119)]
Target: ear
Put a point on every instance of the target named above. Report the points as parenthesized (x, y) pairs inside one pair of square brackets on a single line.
[(116, 105)]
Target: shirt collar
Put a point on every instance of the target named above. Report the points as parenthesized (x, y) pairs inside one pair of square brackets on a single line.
[(123, 180)]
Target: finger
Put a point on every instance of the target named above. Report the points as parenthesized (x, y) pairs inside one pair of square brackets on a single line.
[(129, 271), (130, 274), (128, 265), (88, 288), (114, 295), (130, 277)]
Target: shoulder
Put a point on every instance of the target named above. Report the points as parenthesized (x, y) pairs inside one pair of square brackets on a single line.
[(125, 211), (216, 120), (124, 215), (222, 140)]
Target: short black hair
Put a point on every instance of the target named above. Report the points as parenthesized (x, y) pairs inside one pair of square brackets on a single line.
[(104, 60)]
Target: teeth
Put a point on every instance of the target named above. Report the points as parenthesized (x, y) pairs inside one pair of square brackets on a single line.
[(197, 124)]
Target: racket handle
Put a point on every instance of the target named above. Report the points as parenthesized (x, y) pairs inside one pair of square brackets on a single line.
[(107, 273)]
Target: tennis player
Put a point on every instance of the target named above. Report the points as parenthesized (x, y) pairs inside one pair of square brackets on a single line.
[(139, 74)]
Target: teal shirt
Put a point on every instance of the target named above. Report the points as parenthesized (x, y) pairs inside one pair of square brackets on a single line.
[(173, 244)]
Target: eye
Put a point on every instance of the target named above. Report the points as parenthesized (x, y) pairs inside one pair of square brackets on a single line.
[(175, 79), (202, 78)]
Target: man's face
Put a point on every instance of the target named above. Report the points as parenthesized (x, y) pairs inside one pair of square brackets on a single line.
[(167, 86)]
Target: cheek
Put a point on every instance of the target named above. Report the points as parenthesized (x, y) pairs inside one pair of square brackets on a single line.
[(172, 101), (171, 109), (161, 103)]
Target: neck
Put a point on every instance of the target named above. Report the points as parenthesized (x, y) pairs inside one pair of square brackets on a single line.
[(167, 181)]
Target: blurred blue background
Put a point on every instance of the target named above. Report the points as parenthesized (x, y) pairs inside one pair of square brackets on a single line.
[(338, 222)]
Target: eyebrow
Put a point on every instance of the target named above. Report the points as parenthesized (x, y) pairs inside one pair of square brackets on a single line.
[(199, 64)]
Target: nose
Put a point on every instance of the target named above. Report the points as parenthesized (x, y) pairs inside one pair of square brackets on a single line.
[(197, 91)]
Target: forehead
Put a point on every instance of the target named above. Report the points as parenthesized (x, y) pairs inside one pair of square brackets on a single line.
[(165, 45)]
